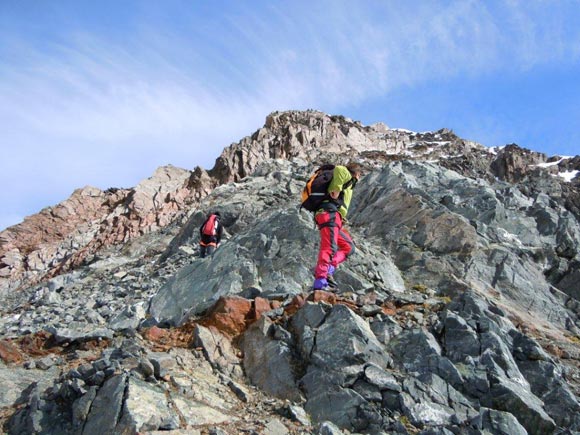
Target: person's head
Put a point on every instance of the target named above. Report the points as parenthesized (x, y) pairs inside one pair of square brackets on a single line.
[(355, 169), (217, 213)]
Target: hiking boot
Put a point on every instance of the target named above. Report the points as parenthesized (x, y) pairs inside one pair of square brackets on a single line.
[(331, 282), (320, 284)]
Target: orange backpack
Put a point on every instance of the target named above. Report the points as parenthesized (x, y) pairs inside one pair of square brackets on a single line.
[(316, 189)]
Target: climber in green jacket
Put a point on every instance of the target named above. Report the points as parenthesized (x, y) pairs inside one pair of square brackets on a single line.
[(336, 244)]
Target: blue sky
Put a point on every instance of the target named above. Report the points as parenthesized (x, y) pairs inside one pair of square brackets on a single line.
[(102, 93)]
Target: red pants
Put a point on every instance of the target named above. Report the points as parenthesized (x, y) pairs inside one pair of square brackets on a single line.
[(335, 242)]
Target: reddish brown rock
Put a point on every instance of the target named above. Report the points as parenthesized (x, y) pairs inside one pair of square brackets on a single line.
[(331, 298), (322, 296), (259, 307), (155, 334), (513, 163), (229, 315), (9, 353), (389, 309), (317, 296), (297, 302), (38, 344)]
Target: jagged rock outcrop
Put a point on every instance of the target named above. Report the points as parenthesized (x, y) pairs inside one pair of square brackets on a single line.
[(459, 312), (60, 238), (41, 238)]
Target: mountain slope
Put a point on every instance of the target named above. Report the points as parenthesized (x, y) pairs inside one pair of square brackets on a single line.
[(459, 311), (60, 238)]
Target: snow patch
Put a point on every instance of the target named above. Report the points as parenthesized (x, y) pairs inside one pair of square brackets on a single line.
[(438, 142), (568, 175), (494, 150), (549, 164)]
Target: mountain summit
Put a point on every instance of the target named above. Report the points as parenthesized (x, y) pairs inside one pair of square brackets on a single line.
[(460, 312)]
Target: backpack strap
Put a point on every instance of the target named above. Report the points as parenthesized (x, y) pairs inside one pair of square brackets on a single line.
[(350, 183), (331, 205)]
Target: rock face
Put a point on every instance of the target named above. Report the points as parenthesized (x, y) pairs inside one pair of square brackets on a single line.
[(60, 238), (459, 312)]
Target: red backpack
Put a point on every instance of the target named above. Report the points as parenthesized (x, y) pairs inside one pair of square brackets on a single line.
[(209, 228)]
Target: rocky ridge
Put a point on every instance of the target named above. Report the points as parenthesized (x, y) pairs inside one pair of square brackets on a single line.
[(62, 237), (459, 313)]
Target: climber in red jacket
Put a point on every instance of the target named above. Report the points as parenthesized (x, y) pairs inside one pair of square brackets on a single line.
[(210, 234)]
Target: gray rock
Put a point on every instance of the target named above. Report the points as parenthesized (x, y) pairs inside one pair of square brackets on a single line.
[(77, 331), (106, 408), (97, 379), (305, 324), (437, 431), (218, 350), (241, 392), (275, 427), (380, 378), (15, 380), (461, 341), (410, 297), (146, 367), (371, 310), (162, 363), (509, 396), (129, 319), (29, 419), (344, 345), (297, 413), (146, 408), (425, 412), (445, 234), (339, 406), (81, 408), (197, 413), (413, 349), (345, 339), (497, 422), (329, 428), (569, 283), (385, 328), (429, 400), (546, 380), (45, 363), (51, 298), (268, 363)]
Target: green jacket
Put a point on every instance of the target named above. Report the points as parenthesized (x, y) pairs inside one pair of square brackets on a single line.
[(340, 177)]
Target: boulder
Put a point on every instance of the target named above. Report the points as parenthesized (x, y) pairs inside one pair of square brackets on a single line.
[(268, 362)]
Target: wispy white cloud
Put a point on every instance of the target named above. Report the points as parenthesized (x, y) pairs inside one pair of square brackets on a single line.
[(111, 93), (167, 93)]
